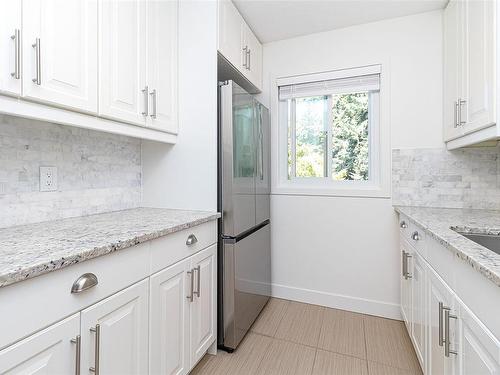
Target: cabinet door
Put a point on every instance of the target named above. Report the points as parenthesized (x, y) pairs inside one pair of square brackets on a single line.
[(406, 284), (419, 307), (203, 307), (230, 33), (169, 320), (478, 76), (438, 363), (253, 69), (479, 349), (50, 351), (62, 67), (118, 328), (10, 47), (453, 33), (123, 94), (162, 19)]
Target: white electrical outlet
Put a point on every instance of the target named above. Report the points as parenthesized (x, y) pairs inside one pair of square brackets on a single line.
[(48, 178)]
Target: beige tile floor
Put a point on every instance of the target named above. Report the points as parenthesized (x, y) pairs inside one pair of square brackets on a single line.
[(299, 339)]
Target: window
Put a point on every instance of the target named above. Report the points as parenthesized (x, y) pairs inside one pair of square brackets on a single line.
[(329, 124)]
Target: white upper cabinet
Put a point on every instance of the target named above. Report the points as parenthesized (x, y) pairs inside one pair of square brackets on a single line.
[(123, 94), (230, 43), (478, 83), (452, 47), (51, 351), (162, 73), (253, 61), (10, 47), (470, 72), (115, 333), (60, 53), (238, 44)]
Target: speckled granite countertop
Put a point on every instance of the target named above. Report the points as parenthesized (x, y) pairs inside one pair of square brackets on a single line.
[(438, 223), (31, 250)]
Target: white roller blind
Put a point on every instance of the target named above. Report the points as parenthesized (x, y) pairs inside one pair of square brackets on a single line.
[(346, 85)]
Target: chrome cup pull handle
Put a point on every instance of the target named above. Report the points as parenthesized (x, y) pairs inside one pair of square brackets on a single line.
[(78, 341), (84, 282), (191, 240), (38, 62), (97, 348), (17, 54)]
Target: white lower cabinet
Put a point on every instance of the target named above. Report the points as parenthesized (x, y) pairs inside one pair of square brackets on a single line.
[(115, 333), (169, 320), (440, 301), (447, 336), (418, 312), (479, 350), (161, 324), (183, 313), (50, 351), (203, 309)]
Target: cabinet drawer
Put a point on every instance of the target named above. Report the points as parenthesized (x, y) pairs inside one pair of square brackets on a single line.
[(48, 298), (168, 250)]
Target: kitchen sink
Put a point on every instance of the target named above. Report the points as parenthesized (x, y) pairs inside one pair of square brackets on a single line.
[(489, 241)]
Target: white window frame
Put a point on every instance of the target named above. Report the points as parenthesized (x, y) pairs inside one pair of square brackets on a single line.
[(378, 185)]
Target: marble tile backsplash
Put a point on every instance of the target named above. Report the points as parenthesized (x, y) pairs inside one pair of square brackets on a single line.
[(465, 178), (97, 172)]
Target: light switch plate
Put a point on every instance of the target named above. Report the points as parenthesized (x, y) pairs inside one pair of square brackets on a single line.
[(48, 178)]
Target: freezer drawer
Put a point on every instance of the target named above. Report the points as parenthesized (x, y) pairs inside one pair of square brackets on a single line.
[(246, 283)]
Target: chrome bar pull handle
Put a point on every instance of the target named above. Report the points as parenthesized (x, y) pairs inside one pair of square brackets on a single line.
[(441, 308), (84, 282), (249, 51), (447, 340), (17, 54), (403, 263), (245, 57), (38, 62), (456, 114), (408, 274), (461, 102), (153, 98), (198, 281), (145, 92), (78, 341), (191, 240), (97, 331), (191, 294)]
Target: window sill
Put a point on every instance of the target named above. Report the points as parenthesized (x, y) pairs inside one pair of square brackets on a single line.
[(367, 191)]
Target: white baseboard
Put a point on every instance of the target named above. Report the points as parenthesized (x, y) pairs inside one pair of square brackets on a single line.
[(338, 301)]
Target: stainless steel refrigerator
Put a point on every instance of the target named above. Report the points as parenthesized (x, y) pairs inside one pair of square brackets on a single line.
[(244, 264)]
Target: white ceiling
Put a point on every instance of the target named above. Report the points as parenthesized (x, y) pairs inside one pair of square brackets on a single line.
[(281, 19)]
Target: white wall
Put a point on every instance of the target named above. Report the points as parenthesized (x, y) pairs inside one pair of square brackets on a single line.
[(185, 175), (340, 251)]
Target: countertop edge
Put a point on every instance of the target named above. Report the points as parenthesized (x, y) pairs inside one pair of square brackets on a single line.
[(460, 253), (88, 254)]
